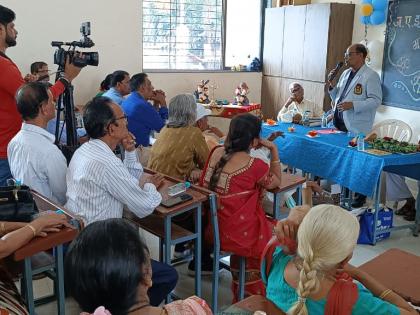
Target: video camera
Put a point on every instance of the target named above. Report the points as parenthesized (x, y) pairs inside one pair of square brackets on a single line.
[(75, 57)]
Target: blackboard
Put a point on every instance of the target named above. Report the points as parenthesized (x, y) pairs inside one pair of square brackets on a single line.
[(401, 64)]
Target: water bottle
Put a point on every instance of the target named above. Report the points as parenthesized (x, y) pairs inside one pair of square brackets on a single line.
[(361, 142), (305, 117), (324, 121), (178, 188)]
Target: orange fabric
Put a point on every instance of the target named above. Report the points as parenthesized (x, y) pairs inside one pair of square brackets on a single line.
[(342, 296)]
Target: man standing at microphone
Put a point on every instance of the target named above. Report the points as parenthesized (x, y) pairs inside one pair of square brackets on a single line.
[(356, 97)]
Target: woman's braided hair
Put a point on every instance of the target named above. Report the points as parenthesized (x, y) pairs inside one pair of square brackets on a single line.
[(243, 129), (326, 237)]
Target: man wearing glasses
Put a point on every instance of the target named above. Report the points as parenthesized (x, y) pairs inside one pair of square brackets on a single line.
[(356, 97), (99, 184), (296, 105), (40, 69)]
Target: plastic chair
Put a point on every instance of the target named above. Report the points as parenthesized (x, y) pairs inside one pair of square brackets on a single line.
[(217, 255), (393, 128)]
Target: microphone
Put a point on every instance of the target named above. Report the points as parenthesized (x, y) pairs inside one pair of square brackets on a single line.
[(333, 73)]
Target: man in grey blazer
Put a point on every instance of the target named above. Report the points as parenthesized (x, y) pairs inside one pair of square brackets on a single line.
[(357, 94), (356, 97)]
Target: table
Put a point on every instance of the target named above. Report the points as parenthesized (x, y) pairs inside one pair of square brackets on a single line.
[(398, 271), (40, 244), (330, 157), (252, 304), (171, 233), (230, 111)]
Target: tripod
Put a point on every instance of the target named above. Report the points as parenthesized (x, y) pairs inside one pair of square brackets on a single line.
[(65, 104)]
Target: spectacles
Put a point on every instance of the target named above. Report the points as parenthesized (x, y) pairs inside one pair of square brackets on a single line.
[(348, 54), (113, 121)]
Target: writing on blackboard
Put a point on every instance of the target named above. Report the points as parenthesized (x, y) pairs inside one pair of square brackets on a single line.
[(407, 21), (416, 44)]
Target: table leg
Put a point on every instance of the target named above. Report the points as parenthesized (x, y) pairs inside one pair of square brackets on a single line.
[(376, 197), (29, 292), (168, 241), (59, 265), (417, 222), (276, 206), (197, 252)]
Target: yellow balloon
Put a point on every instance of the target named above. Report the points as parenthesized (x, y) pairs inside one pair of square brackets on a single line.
[(367, 9)]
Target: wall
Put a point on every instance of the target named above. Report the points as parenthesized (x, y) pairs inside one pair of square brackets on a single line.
[(116, 31), (377, 33)]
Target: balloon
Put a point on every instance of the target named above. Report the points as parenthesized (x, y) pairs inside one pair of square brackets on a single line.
[(364, 20), (379, 5), (366, 9), (375, 53), (377, 17)]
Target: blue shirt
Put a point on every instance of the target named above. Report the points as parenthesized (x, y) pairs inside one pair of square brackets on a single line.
[(143, 117), (114, 95), (284, 296), (81, 132)]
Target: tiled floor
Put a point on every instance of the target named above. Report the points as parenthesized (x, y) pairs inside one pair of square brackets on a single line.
[(402, 239)]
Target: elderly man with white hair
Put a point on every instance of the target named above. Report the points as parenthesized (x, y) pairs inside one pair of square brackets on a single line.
[(296, 105)]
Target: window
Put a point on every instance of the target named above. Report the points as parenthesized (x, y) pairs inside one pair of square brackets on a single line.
[(189, 34), (182, 34)]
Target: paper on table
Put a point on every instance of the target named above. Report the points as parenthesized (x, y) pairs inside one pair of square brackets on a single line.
[(328, 131)]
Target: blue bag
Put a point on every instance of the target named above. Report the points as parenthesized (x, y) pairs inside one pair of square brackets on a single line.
[(385, 218)]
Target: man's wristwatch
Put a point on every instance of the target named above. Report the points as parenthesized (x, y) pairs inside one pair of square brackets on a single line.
[(65, 82)]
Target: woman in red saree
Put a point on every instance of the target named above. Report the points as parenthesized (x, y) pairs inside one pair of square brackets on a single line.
[(240, 181)]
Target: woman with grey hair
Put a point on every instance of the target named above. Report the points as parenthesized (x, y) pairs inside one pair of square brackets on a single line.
[(181, 150)]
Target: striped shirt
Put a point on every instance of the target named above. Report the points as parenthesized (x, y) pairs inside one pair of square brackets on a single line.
[(99, 184)]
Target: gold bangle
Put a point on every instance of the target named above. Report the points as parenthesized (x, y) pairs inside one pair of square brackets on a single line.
[(385, 293), (32, 228), (2, 228), (276, 161)]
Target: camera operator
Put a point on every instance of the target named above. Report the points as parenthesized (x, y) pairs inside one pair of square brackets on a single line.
[(10, 81)]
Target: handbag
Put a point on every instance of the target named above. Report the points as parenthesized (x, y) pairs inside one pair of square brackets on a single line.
[(385, 218), (17, 204)]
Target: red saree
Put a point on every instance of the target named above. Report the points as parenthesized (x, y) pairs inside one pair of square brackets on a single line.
[(244, 228)]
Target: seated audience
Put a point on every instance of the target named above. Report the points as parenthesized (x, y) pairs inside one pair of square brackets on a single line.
[(296, 105), (212, 135), (240, 181), (180, 151), (40, 69), (117, 276), (99, 184), (33, 157), (318, 279), (143, 117), (119, 87), (14, 235), (105, 85)]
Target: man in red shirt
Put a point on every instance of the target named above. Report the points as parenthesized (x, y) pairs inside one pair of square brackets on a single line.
[(10, 81)]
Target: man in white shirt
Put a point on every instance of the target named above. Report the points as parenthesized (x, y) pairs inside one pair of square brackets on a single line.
[(33, 157), (296, 105), (99, 184)]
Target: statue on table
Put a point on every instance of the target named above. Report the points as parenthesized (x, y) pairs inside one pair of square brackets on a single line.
[(202, 92), (241, 94)]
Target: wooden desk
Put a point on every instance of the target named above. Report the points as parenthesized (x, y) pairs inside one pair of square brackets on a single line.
[(288, 182), (40, 244), (173, 234), (255, 303), (398, 271)]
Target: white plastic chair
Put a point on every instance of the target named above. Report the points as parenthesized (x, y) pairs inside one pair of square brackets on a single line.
[(393, 128), (397, 130)]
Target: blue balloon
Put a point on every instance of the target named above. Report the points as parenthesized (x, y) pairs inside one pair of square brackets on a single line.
[(377, 17), (365, 20), (367, 1), (379, 5)]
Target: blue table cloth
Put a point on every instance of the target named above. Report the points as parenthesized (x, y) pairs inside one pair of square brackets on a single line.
[(330, 157)]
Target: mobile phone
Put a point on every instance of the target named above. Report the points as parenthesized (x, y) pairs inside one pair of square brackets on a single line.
[(173, 201)]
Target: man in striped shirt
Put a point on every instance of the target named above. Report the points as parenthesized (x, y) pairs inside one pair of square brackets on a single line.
[(99, 184)]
